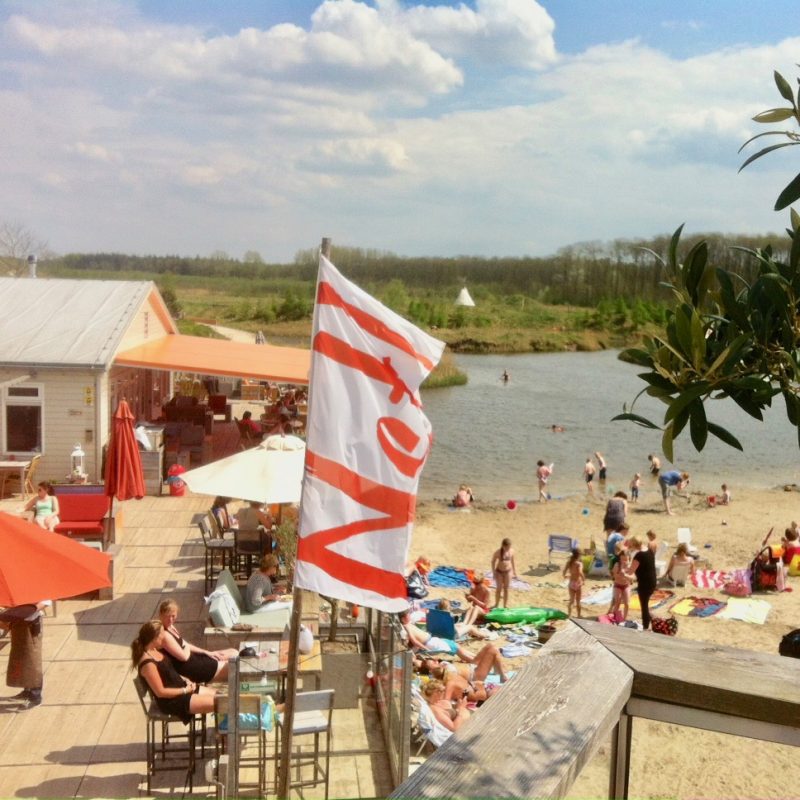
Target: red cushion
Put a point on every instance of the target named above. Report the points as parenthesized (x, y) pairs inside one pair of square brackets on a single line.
[(80, 528)]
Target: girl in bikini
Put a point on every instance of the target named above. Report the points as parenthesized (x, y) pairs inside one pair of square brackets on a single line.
[(574, 568), (504, 569), (622, 575)]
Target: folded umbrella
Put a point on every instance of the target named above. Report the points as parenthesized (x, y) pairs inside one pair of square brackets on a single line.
[(39, 565)]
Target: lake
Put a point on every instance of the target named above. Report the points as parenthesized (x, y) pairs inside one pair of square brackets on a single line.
[(490, 435)]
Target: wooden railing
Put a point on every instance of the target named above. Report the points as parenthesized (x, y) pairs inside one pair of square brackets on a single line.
[(585, 686)]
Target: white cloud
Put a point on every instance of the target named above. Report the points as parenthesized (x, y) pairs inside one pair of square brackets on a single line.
[(365, 124)]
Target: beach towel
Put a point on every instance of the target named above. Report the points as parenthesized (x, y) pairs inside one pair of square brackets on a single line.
[(515, 651), (599, 597), (657, 599), (697, 607), (747, 609), (516, 583), (449, 577), (710, 578)]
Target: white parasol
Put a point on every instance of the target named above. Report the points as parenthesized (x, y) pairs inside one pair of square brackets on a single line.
[(270, 473)]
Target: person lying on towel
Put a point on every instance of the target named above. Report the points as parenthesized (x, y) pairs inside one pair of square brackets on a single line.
[(421, 641)]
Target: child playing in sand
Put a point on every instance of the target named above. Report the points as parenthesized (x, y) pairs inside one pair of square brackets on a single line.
[(724, 499), (574, 567), (635, 483), (622, 575), (504, 569)]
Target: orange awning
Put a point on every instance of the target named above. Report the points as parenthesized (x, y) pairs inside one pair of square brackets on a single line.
[(220, 357)]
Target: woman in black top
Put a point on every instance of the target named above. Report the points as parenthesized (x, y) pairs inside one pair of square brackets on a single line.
[(189, 660), (173, 694), (644, 565)]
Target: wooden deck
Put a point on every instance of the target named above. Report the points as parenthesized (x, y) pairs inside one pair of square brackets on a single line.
[(87, 738)]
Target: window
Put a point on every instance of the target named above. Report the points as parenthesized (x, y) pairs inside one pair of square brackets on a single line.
[(23, 409)]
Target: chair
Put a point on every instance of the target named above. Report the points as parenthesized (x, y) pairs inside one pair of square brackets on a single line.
[(27, 486), (559, 543), (427, 729), (313, 712), (224, 548), (246, 545), (662, 557), (440, 623), (219, 405), (246, 437), (685, 537), (158, 747), (680, 573), (253, 721)]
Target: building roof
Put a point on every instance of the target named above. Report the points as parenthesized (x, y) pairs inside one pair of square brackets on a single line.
[(56, 322)]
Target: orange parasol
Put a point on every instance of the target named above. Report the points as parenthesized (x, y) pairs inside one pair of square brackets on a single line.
[(124, 477), (37, 564)]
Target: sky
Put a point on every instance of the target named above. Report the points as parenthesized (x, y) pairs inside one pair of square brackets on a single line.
[(484, 127)]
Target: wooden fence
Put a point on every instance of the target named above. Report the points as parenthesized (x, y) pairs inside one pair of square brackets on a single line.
[(585, 686)]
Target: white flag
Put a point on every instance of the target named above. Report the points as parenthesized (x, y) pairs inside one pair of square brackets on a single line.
[(367, 443)]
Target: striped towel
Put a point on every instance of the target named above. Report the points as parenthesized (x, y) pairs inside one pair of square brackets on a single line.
[(710, 578)]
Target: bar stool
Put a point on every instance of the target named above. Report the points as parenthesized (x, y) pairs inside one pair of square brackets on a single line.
[(313, 712)]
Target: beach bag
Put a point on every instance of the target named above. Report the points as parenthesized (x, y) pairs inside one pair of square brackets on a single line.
[(668, 626), (764, 571), (415, 586), (790, 644)]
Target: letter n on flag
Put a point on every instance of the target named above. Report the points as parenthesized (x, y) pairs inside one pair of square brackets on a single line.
[(367, 443)]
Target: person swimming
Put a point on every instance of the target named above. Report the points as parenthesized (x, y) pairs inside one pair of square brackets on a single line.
[(505, 377)]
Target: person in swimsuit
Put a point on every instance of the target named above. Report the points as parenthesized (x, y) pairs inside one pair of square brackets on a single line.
[(451, 715), (174, 695), (616, 512), (669, 481), (655, 464), (574, 568), (478, 599), (190, 661), (422, 641), (543, 473), (44, 505), (588, 474), (504, 569), (466, 679), (621, 574), (601, 467)]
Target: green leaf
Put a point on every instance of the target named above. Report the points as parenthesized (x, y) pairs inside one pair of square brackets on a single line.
[(783, 86), (635, 355), (795, 218), (698, 425), (679, 423), (765, 151), (794, 253), (746, 404), (645, 423), (685, 398), (789, 194), (792, 407), (724, 436), (666, 443), (672, 257), (774, 115)]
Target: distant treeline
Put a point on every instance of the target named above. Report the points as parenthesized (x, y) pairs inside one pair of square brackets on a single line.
[(582, 274)]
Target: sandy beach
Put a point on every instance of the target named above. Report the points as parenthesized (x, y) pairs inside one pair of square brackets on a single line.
[(668, 761)]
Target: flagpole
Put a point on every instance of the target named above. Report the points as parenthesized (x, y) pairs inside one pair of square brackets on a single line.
[(294, 635)]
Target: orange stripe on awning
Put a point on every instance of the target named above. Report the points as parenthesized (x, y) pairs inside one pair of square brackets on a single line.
[(220, 357)]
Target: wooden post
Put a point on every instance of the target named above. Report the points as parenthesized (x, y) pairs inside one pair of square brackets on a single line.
[(291, 667)]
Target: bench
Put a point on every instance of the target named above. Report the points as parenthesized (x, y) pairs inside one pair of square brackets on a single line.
[(227, 609), (85, 515)]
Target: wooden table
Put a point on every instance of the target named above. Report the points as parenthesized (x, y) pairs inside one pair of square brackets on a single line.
[(7, 467)]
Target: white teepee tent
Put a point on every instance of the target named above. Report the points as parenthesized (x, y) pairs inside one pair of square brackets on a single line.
[(464, 299)]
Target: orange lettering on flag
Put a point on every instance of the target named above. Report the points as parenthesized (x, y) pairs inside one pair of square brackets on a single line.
[(397, 506)]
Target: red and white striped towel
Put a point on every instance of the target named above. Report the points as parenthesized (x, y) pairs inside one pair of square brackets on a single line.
[(710, 578)]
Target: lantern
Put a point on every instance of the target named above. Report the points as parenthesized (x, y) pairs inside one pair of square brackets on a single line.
[(77, 457)]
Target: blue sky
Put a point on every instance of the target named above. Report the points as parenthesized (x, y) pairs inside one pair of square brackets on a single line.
[(491, 127)]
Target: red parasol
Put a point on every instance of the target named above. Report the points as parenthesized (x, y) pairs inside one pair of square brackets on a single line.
[(37, 564), (124, 477)]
